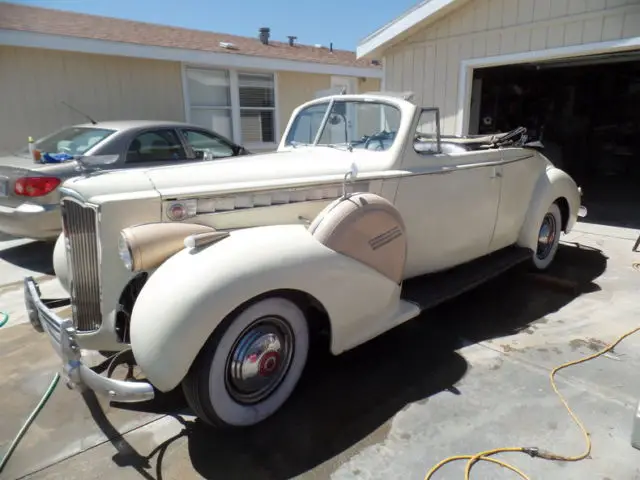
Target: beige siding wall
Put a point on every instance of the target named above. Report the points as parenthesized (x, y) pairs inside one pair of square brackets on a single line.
[(34, 81), (296, 88), (429, 62)]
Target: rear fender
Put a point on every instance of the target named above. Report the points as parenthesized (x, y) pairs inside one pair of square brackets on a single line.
[(191, 293), (552, 185)]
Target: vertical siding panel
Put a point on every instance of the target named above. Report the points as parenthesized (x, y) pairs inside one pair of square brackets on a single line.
[(466, 49), (432, 33), (418, 73), (507, 42), (612, 27), (455, 24), (592, 30), (595, 5), (539, 38), (555, 36), (495, 14), (389, 68), (443, 28), (525, 11), (577, 6), (480, 15), (542, 10), (467, 16), (396, 82), (493, 44), (631, 25), (479, 47), (509, 13), (573, 33), (559, 8), (439, 91), (407, 69), (451, 89), (523, 40), (430, 64)]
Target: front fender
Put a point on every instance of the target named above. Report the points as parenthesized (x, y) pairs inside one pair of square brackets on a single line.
[(552, 185), (60, 267), (190, 294)]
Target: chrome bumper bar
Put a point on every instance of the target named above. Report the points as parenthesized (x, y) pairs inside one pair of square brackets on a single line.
[(78, 376)]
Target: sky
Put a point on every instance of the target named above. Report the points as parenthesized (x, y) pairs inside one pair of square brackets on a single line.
[(343, 22)]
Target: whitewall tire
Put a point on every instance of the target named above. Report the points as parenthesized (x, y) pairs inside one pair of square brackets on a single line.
[(548, 238), (250, 365)]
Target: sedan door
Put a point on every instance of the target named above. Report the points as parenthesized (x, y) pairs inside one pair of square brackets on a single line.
[(449, 200)]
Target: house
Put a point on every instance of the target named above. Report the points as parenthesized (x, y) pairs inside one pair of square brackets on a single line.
[(567, 70), (244, 88)]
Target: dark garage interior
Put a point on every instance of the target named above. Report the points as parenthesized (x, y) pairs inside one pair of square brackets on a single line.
[(586, 112)]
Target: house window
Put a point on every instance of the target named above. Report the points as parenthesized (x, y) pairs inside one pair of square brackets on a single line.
[(210, 100), (235, 104), (257, 107)]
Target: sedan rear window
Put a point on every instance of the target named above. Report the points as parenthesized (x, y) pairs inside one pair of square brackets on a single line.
[(73, 140)]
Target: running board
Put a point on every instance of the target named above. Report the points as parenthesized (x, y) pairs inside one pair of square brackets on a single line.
[(430, 290)]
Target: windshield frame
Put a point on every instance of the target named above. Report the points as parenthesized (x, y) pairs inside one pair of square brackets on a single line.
[(325, 119)]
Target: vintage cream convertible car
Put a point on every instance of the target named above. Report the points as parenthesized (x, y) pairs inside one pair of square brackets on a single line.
[(218, 276)]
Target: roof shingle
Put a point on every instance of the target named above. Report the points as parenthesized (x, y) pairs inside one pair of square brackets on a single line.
[(71, 24)]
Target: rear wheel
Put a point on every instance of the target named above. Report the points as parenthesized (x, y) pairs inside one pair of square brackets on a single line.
[(250, 365), (548, 238)]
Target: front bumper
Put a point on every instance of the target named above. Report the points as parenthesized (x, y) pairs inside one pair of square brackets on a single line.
[(78, 376)]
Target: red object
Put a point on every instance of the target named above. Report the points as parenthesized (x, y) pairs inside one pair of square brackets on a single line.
[(35, 186)]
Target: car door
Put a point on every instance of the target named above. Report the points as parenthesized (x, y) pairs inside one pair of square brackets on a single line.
[(449, 200), (201, 143), (155, 147)]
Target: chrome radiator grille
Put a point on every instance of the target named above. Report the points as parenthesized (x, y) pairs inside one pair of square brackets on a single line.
[(82, 255)]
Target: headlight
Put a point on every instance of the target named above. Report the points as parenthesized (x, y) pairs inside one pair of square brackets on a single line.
[(124, 250)]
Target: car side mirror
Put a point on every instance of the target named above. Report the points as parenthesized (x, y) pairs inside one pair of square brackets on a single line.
[(350, 176)]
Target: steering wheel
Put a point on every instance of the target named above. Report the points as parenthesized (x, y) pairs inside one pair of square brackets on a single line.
[(66, 150), (380, 136)]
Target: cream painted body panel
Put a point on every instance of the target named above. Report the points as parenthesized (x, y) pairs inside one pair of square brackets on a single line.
[(456, 207), (192, 292)]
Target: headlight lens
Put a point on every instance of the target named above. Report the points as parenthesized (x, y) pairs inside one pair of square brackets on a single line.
[(125, 252)]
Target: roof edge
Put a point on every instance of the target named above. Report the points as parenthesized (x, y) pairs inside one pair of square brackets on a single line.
[(376, 42), (20, 38)]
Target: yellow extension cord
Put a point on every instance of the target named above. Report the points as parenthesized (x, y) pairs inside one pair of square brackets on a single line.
[(534, 452)]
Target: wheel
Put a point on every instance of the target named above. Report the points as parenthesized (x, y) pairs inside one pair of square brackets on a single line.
[(548, 238), (250, 365)]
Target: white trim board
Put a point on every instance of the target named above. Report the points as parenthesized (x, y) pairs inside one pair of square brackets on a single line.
[(17, 38), (467, 67), (401, 25)]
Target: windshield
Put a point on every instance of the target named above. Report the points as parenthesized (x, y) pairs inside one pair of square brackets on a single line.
[(72, 140), (350, 123)]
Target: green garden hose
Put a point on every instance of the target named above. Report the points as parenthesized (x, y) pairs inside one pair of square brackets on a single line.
[(4, 318), (32, 417)]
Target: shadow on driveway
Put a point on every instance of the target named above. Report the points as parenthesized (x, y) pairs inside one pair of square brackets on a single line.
[(342, 400), (34, 256)]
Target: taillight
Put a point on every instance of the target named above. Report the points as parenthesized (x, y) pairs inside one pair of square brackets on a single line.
[(35, 186)]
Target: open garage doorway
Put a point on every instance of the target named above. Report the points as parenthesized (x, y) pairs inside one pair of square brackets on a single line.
[(586, 111)]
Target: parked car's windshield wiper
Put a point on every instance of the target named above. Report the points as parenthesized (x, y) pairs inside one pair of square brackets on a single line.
[(340, 146)]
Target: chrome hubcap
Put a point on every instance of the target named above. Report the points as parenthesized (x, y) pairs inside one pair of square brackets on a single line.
[(546, 236), (259, 360)]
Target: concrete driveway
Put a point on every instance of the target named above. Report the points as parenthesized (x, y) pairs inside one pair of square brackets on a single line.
[(467, 376)]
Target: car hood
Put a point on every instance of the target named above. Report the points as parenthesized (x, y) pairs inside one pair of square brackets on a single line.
[(303, 165)]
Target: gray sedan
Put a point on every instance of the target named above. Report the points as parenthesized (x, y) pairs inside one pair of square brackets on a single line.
[(29, 179)]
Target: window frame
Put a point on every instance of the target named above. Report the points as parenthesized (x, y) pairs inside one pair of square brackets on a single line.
[(236, 129), (182, 131)]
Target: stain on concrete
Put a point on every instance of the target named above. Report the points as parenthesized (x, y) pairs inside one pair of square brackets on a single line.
[(592, 344)]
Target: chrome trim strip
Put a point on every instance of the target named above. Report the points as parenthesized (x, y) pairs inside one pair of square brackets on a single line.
[(62, 336)]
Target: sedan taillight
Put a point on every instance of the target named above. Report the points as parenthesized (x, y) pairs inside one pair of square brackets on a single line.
[(35, 186)]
